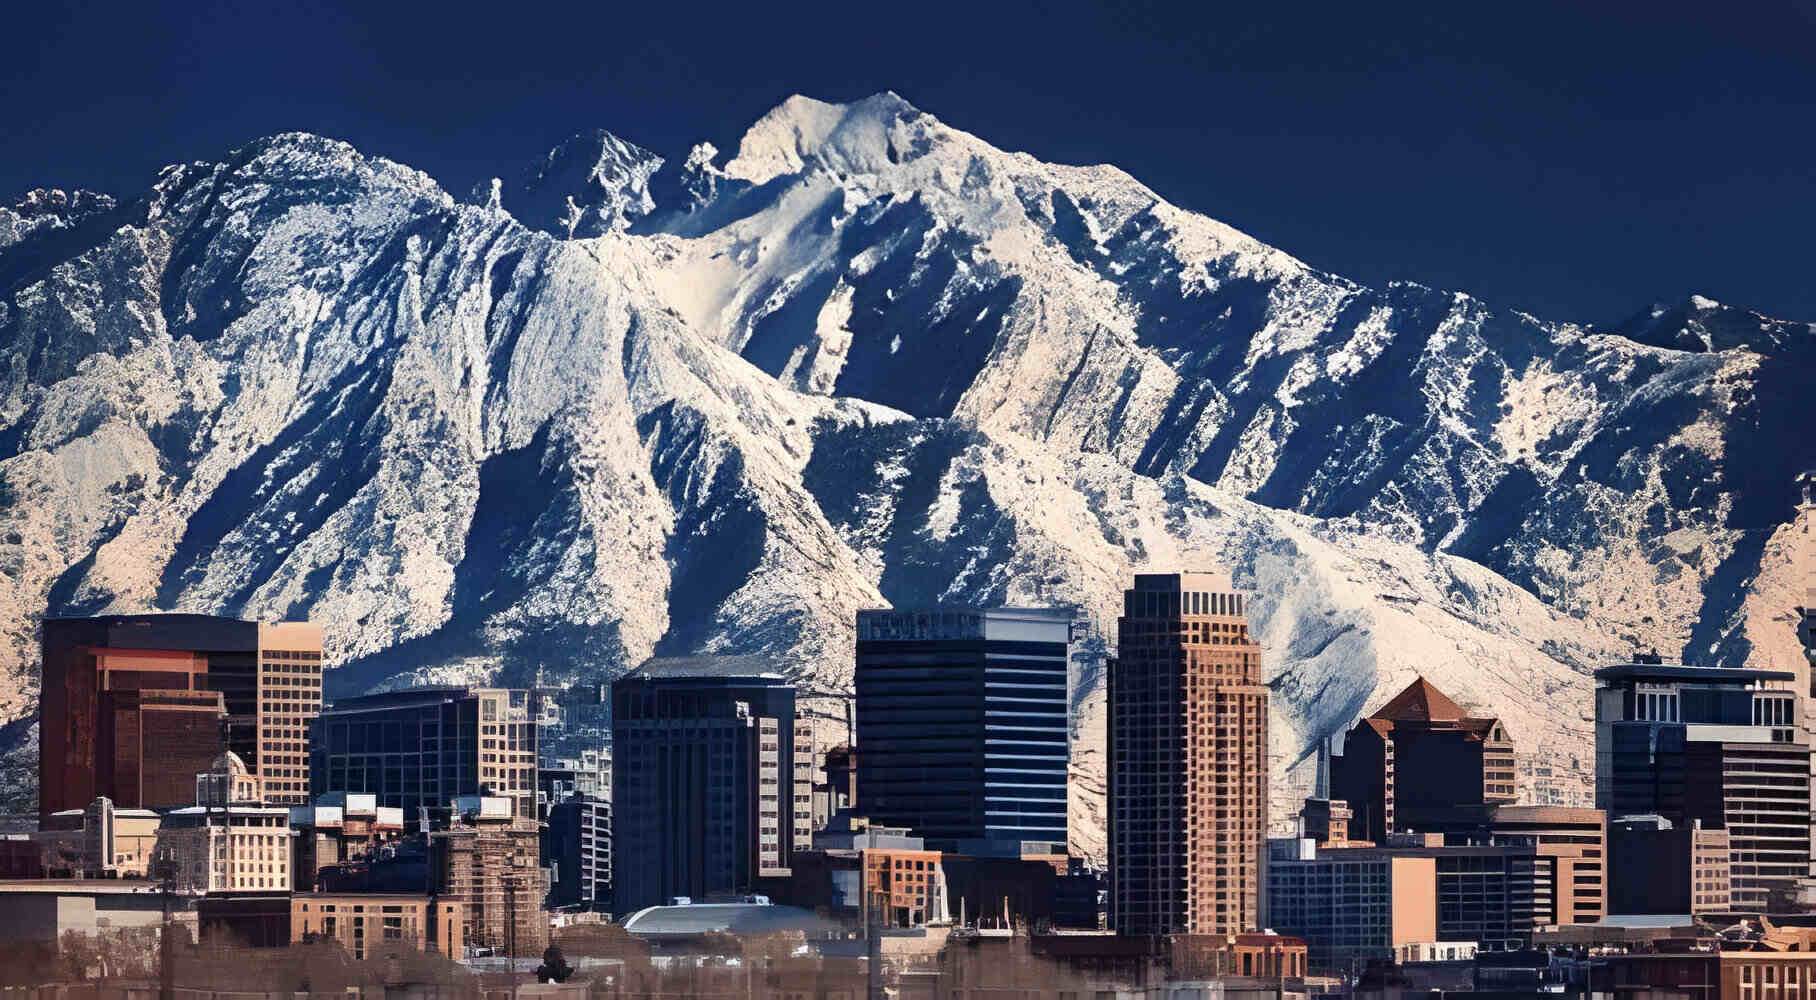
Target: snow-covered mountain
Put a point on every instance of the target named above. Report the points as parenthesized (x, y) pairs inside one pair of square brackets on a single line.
[(615, 406)]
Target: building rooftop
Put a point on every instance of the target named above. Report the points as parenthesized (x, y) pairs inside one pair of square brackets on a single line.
[(60, 886), (1056, 614), (133, 813), (733, 918), (234, 809), (1208, 580), (1668, 671), (163, 617), (1421, 702), (684, 667), (427, 694)]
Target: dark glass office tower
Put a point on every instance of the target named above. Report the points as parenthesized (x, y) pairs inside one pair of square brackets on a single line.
[(703, 784), (962, 733), (1720, 745)]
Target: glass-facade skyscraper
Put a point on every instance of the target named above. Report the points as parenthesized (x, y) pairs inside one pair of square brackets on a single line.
[(421, 748), (962, 726)]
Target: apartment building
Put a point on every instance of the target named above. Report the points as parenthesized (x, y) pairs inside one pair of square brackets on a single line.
[(487, 861)]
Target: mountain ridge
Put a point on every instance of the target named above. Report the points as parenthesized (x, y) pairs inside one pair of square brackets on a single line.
[(874, 362)]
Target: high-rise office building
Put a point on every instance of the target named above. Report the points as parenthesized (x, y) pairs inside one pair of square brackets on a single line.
[(1720, 745), (1803, 544), (1416, 758), (560, 778), (1188, 765), (421, 748), (703, 752), (962, 727), (120, 691)]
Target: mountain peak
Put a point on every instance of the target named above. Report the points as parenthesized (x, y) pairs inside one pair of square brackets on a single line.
[(1700, 324), (854, 136), (591, 183)]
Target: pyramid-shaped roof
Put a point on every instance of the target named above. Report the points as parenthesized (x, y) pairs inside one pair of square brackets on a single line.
[(1421, 702)]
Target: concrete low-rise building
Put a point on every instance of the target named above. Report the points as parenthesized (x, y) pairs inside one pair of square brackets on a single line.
[(1418, 952), (98, 841), (46, 909), (1726, 975)]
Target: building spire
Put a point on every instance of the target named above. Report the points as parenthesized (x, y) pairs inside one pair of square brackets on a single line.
[(1803, 543), (1321, 778)]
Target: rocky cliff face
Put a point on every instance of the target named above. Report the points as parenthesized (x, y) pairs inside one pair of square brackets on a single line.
[(618, 406)]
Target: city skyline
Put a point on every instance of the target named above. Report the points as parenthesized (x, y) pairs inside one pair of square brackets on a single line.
[(1060, 501)]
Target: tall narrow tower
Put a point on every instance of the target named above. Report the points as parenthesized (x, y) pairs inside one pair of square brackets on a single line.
[(1803, 559), (1188, 766)]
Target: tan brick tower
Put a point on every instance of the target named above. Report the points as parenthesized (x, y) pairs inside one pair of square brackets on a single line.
[(1188, 774)]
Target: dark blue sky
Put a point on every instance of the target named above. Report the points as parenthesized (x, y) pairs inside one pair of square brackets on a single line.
[(1574, 163)]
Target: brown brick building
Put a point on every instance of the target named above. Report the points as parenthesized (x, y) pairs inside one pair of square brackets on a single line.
[(1188, 766), (374, 924), (1727, 975), (488, 862), (1416, 758), (134, 705)]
